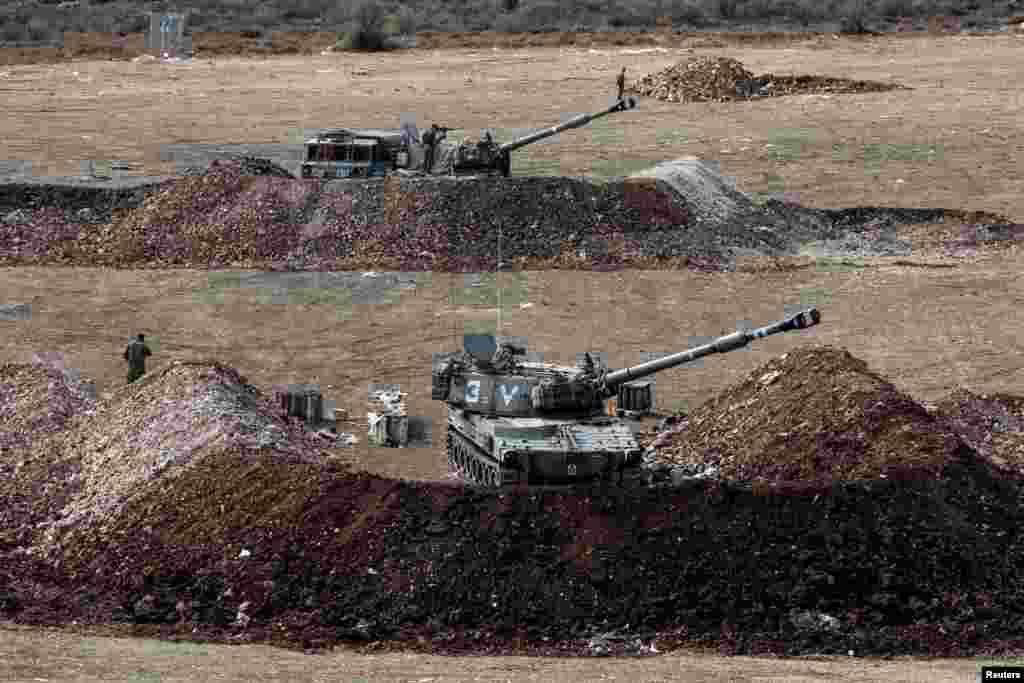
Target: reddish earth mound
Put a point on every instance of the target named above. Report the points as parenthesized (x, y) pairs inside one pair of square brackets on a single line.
[(38, 402), (814, 413), (993, 425), (88, 458), (35, 400)]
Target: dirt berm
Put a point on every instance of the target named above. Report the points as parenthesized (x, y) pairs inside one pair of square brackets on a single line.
[(230, 539), (686, 215)]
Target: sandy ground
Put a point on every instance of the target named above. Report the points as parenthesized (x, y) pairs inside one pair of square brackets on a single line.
[(927, 329), (60, 655), (965, 99)]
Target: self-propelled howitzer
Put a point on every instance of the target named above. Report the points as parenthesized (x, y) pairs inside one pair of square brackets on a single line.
[(513, 421), (486, 157)]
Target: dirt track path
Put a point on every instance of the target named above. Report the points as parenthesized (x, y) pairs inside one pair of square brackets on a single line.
[(55, 655)]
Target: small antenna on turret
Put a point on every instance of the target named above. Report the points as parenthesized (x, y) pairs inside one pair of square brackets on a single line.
[(497, 275)]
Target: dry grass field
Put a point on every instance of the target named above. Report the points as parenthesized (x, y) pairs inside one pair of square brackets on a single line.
[(927, 329)]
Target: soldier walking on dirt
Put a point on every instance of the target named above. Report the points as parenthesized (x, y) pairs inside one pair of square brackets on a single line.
[(136, 354), (429, 140), (621, 82)]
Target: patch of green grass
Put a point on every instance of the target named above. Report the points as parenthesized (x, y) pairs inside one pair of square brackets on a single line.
[(486, 293), (522, 165), (786, 145), (815, 297), (217, 283), (480, 327), (680, 407), (604, 132), (618, 168), (671, 137)]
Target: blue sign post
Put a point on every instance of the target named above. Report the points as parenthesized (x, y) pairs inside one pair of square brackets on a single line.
[(166, 32)]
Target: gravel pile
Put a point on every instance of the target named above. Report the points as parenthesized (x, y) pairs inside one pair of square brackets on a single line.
[(723, 79)]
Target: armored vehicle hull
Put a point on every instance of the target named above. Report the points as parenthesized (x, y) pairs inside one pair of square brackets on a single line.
[(516, 422), (499, 451)]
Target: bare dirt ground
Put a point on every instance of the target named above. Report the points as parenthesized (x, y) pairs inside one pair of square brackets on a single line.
[(964, 100), (62, 655), (927, 329)]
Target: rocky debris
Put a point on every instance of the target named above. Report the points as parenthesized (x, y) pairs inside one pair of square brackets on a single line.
[(993, 425), (697, 79), (710, 198), (722, 79), (876, 238), (816, 413)]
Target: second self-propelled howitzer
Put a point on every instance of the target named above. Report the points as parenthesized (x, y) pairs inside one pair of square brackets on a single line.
[(488, 157), (513, 421), (368, 153)]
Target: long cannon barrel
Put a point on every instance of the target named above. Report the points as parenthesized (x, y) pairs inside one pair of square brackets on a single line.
[(575, 122), (729, 342)]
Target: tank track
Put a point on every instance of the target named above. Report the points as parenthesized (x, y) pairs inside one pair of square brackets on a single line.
[(473, 466)]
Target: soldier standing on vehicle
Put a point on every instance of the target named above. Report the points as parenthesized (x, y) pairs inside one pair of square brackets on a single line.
[(429, 140), (136, 354), (621, 82)]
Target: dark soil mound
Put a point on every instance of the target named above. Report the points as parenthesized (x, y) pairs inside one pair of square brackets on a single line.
[(245, 547)]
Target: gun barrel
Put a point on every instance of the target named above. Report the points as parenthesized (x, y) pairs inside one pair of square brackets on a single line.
[(730, 342), (575, 122)]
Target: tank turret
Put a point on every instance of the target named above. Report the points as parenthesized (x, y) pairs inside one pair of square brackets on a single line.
[(512, 420)]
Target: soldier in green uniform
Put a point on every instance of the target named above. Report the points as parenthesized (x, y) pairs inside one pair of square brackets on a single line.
[(136, 354)]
